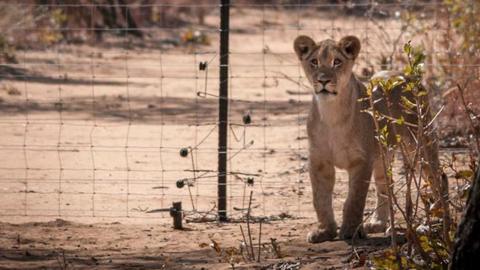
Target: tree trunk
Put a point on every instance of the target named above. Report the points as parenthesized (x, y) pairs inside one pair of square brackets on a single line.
[(466, 254)]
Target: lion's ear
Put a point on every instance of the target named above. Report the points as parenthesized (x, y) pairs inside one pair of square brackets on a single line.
[(350, 46), (303, 45)]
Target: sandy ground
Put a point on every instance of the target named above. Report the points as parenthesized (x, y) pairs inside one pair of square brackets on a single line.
[(91, 138), (64, 245)]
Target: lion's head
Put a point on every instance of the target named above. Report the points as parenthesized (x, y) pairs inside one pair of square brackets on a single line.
[(327, 64)]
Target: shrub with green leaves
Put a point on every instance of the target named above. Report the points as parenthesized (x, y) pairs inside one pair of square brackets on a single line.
[(421, 202)]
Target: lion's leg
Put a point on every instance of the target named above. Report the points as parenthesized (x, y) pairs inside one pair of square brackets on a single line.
[(379, 220), (359, 180), (322, 177), (439, 181), (431, 170)]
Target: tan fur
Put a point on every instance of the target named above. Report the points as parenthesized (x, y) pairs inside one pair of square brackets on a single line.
[(341, 135)]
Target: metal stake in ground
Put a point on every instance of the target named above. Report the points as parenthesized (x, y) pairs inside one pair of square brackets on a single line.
[(223, 110), (177, 214)]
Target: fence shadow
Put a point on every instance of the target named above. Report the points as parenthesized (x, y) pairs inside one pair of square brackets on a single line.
[(23, 75), (158, 110)]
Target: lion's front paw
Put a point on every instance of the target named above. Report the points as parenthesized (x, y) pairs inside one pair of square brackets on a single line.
[(321, 235), (375, 226), (349, 232)]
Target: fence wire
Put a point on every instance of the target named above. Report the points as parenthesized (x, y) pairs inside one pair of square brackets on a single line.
[(118, 121)]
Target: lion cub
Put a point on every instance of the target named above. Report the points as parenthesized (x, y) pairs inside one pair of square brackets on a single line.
[(341, 135)]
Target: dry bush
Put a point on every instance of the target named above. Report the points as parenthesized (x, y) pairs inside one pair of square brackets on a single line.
[(454, 79), (459, 68), (47, 22), (448, 33), (422, 199), (11, 34), (36, 28), (425, 210)]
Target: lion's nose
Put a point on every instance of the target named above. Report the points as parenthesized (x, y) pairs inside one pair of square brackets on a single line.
[(324, 82)]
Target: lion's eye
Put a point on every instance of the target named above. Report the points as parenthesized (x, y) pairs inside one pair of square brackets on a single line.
[(314, 62), (337, 62)]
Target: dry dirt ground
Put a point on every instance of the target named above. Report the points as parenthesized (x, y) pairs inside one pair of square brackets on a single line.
[(91, 137), (65, 245)]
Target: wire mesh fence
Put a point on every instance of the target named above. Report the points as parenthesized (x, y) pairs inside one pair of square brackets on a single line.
[(110, 109)]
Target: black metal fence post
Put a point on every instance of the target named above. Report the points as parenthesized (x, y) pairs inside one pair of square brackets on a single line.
[(223, 110)]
